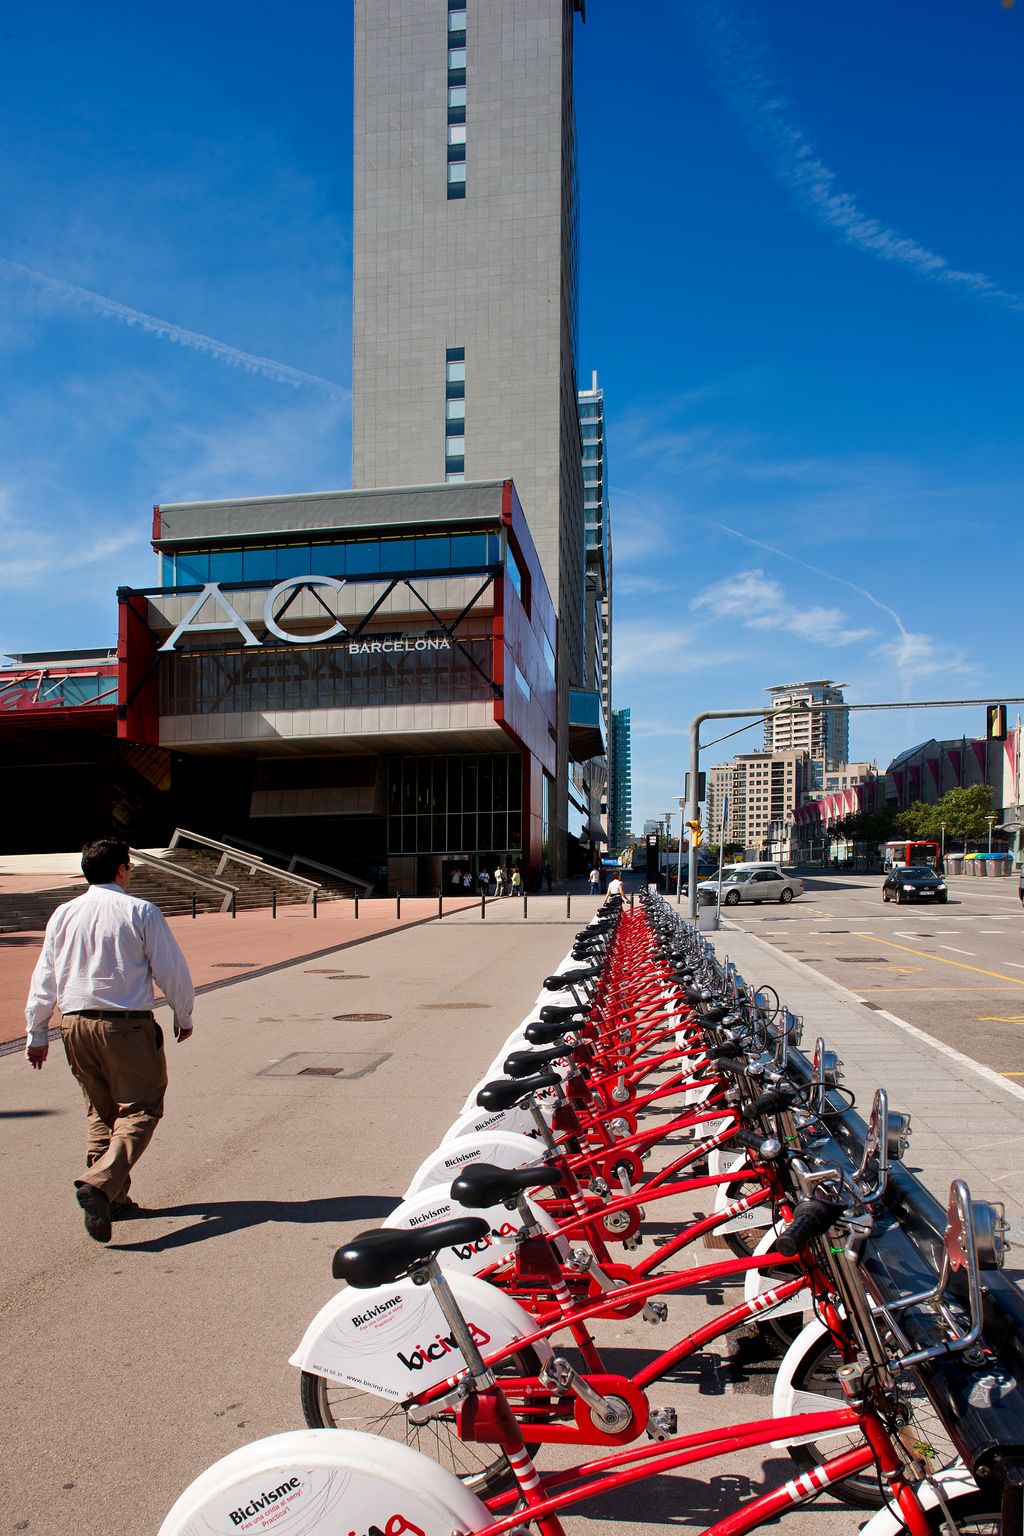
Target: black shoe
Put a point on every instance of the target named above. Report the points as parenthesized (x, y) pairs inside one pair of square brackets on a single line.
[(97, 1212), (125, 1210)]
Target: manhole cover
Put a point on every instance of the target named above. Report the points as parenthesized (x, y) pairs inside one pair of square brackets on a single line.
[(320, 1071), (361, 1018), (231, 965), (861, 959), (333, 976)]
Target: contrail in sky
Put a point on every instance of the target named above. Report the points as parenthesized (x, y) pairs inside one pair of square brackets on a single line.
[(268, 367), (739, 63)]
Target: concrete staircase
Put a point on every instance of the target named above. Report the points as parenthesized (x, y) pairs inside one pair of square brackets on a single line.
[(29, 911)]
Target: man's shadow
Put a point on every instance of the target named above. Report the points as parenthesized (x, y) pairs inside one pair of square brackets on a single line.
[(218, 1218)]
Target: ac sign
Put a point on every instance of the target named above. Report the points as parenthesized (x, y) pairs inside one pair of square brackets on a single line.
[(231, 619)]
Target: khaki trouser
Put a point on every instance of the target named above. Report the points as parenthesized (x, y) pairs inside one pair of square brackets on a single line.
[(121, 1067)]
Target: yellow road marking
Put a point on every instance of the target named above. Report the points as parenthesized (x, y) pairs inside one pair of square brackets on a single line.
[(941, 960), (1000, 1018), (1011, 1074)]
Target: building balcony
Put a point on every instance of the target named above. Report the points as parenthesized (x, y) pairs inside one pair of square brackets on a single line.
[(587, 734)]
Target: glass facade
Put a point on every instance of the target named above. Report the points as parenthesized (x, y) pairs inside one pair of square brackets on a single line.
[(454, 805), (362, 557), (321, 677)]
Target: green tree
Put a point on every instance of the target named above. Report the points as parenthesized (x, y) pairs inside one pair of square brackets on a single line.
[(920, 820), (964, 811)]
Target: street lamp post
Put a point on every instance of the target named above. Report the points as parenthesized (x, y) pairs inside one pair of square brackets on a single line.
[(990, 820), (943, 826)]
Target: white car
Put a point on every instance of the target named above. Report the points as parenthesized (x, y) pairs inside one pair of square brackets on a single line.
[(766, 883)]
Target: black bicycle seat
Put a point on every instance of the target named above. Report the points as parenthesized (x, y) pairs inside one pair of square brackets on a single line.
[(557, 1013), (385, 1255), (500, 1093), (485, 1184), (526, 1063)]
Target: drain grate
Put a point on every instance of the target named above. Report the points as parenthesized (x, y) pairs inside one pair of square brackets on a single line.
[(861, 959), (336, 976), (231, 965), (343, 1066), (875, 1007), (361, 1018)]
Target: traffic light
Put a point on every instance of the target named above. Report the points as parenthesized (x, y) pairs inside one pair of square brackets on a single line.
[(697, 837), (995, 722)]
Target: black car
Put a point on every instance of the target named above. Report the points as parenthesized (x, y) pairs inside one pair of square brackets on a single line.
[(914, 882)]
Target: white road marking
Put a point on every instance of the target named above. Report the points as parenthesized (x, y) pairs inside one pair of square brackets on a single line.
[(1015, 963), (955, 950)]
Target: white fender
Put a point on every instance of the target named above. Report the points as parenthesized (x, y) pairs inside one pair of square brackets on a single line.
[(694, 1096), (317, 1482), (757, 1281), (436, 1204), (956, 1482), (788, 1399), (394, 1341), (476, 1121), (758, 1216), (446, 1161)]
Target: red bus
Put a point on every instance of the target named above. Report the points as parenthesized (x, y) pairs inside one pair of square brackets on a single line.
[(908, 850)]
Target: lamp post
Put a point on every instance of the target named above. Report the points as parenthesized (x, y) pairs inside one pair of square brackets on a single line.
[(990, 820), (943, 827)]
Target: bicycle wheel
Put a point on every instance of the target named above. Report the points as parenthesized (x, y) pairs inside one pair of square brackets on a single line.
[(483, 1468), (924, 1436), (973, 1514)]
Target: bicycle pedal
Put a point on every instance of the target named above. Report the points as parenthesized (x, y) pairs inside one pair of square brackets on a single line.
[(655, 1312), (630, 1243), (662, 1424)]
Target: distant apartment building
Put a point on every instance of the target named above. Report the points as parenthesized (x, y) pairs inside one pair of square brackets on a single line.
[(843, 777), (824, 734), (721, 799), (766, 789)]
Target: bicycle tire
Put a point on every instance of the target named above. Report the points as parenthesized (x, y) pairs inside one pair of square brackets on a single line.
[(816, 1373), (483, 1468), (974, 1514)]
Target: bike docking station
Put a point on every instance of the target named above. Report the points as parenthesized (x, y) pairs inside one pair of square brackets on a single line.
[(648, 1072)]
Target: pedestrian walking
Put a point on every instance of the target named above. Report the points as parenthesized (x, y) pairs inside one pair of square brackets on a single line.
[(467, 881), (102, 955), (456, 878), (517, 882), (549, 876), (594, 881), (484, 880), (616, 887), (499, 881)]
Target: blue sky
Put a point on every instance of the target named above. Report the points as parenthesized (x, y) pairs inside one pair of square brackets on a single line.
[(803, 290)]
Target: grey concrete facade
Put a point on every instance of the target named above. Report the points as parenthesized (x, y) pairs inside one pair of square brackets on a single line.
[(491, 271)]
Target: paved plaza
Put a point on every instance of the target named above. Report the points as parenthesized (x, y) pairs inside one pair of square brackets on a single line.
[(130, 1368)]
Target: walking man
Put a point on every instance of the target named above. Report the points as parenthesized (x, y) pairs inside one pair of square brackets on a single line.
[(101, 956), (594, 880)]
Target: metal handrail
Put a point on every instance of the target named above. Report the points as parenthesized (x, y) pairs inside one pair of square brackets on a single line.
[(227, 892), (250, 861), (300, 858)]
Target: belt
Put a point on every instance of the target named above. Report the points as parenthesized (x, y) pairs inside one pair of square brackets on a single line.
[(113, 1013)]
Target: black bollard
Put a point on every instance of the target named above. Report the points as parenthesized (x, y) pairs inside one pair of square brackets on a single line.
[(233, 913), (398, 905), (314, 903), (273, 903), (483, 905), (193, 904), (568, 899), (524, 903), (440, 909), (357, 906)]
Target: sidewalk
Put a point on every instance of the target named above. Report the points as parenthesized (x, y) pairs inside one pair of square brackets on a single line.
[(967, 1121)]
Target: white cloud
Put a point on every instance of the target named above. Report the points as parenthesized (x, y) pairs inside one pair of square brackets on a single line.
[(758, 601), (792, 159), (70, 293), (917, 657)]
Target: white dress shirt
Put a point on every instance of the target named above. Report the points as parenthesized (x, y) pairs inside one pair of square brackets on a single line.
[(104, 950)]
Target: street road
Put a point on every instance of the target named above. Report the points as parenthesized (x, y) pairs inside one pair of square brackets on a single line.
[(955, 971)]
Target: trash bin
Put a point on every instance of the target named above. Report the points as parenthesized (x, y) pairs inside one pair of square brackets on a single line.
[(954, 863), (981, 864), (707, 911)]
